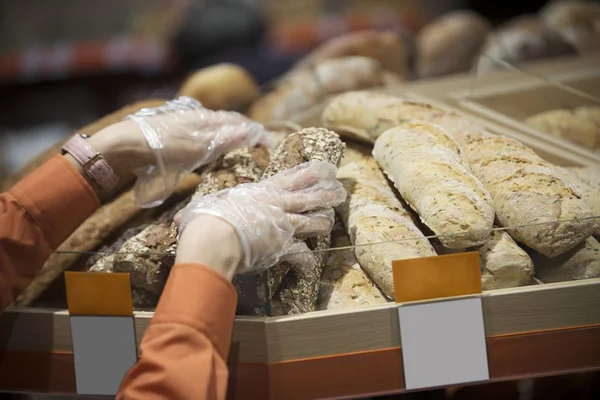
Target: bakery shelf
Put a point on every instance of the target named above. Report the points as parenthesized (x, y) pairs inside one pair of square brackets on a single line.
[(510, 103), (531, 331)]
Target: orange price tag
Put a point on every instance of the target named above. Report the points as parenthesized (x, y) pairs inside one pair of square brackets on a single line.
[(437, 277), (90, 293)]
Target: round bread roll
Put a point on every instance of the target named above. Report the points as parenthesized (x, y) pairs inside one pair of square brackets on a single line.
[(450, 43), (393, 52), (221, 87), (524, 38), (577, 21)]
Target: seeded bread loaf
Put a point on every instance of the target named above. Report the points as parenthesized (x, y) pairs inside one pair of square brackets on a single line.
[(221, 87), (451, 43), (377, 223), (503, 263), (344, 284), (581, 262), (363, 116), (295, 289), (89, 129), (306, 87), (527, 191), (392, 51), (428, 168), (590, 191)]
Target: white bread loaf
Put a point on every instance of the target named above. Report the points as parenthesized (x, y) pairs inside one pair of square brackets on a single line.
[(306, 87), (527, 190), (582, 262), (363, 115), (590, 191), (503, 263), (429, 170), (450, 43), (378, 224), (344, 284)]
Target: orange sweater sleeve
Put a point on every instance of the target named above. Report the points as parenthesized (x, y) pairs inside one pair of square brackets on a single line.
[(36, 216), (184, 350)]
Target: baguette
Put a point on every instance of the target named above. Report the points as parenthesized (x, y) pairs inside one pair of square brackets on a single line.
[(527, 190), (503, 263), (294, 289), (89, 129), (582, 262), (344, 284), (149, 255), (428, 168), (450, 43), (392, 51), (378, 224), (221, 87), (307, 87), (363, 116)]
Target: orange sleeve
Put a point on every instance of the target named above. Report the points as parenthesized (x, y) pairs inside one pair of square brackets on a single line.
[(184, 350), (36, 216)]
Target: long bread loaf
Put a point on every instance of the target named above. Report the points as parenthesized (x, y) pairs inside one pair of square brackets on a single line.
[(294, 289), (429, 170), (149, 255), (377, 223), (307, 87), (89, 129), (363, 116), (535, 195), (589, 190), (581, 262), (528, 192), (344, 283)]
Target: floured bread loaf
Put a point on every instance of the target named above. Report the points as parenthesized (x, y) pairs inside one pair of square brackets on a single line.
[(344, 284), (576, 126), (306, 87), (392, 51), (221, 87), (363, 116), (451, 43), (589, 190), (503, 263), (577, 21), (524, 38), (429, 170), (377, 223), (581, 262), (528, 192)]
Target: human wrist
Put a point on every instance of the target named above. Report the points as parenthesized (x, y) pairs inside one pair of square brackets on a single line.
[(212, 242)]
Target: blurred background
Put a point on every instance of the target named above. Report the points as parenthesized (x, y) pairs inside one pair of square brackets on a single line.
[(66, 63)]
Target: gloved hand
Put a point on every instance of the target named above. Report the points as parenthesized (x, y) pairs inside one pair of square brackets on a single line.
[(267, 215)]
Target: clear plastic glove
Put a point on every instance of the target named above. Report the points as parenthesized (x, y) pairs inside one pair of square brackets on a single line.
[(267, 215), (183, 136)]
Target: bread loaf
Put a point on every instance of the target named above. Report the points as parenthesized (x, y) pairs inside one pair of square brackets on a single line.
[(528, 192), (221, 87), (428, 168), (524, 38), (89, 129), (377, 223), (503, 263), (355, 151), (589, 190), (363, 116), (569, 125), (344, 284), (294, 289), (306, 87), (451, 43), (577, 21), (100, 226), (582, 262), (392, 51), (149, 255)]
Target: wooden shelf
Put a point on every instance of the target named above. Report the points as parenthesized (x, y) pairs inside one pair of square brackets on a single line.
[(531, 331)]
